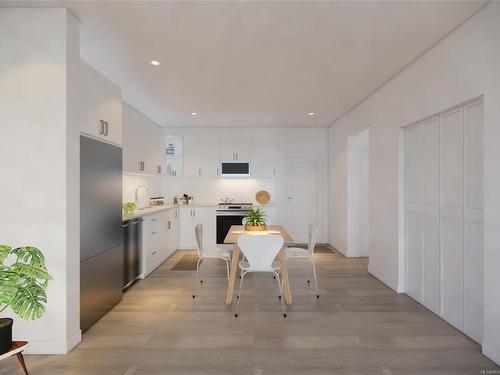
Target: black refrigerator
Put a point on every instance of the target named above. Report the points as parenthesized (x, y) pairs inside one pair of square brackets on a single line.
[(101, 233)]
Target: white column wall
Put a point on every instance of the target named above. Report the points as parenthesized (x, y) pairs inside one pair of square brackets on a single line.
[(461, 67), (39, 163)]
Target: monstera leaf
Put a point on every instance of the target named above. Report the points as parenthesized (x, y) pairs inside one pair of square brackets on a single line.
[(23, 284), (29, 302)]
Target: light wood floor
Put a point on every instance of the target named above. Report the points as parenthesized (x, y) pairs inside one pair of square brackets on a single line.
[(358, 326)]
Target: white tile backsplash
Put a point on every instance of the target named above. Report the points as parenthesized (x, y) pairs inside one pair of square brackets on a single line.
[(211, 190), (132, 181)]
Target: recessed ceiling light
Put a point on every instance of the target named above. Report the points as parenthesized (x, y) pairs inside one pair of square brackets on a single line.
[(311, 113), (155, 63), (194, 113)]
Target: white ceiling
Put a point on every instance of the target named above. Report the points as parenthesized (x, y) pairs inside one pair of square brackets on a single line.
[(257, 64)]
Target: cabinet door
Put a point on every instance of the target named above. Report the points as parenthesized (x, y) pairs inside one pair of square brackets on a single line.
[(155, 164), (264, 161), (235, 148), (206, 216), (142, 143), (100, 105), (210, 162), (174, 230), (186, 228), (193, 156)]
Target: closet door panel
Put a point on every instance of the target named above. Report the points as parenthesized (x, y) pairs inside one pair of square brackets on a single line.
[(414, 149), (473, 120), (414, 256), (473, 324), (414, 164), (474, 156), (452, 159), (452, 271), (452, 225), (430, 157), (431, 263), (431, 252)]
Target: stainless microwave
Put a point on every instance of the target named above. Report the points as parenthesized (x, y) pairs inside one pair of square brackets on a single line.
[(235, 168)]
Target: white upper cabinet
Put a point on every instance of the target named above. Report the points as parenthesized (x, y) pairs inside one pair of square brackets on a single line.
[(143, 144), (100, 106), (201, 156), (265, 158), (235, 148), (193, 156), (210, 162)]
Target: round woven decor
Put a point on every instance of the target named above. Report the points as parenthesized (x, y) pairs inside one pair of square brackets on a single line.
[(262, 197)]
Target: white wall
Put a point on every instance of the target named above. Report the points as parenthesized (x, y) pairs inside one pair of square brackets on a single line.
[(292, 144), (39, 163), (463, 66)]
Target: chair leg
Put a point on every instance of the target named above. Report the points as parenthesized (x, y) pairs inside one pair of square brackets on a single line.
[(196, 277), (315, 278), (308, 271), (21, 361), (238, 297), (202, 272), (227, 270), (280, 287)]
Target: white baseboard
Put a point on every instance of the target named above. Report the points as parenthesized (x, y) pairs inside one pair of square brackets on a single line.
[(344, 253), (74, 340), (491, 352), (54, 347), (391, 284)]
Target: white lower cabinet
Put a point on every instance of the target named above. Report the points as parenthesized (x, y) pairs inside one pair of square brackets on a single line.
[(188, 218), (159, 239)]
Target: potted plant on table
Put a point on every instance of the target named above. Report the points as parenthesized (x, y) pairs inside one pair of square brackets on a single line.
[(23, 284), (255, 220)]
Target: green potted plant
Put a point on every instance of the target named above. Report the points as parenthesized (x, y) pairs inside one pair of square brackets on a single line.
[(255, 220), (23, 284), (129, 207)]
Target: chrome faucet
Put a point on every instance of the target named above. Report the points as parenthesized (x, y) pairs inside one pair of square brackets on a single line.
[(137, 194)]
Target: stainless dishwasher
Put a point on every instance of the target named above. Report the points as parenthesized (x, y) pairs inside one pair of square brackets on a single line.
[(131, 250)]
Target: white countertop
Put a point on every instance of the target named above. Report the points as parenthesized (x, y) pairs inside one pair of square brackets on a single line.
[(147, 211), (153, 210)]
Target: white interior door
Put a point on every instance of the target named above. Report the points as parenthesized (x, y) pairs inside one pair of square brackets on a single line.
[(444, 216), (302, 198)]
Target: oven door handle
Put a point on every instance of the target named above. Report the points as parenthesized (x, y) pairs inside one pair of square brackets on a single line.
[(231, 213)]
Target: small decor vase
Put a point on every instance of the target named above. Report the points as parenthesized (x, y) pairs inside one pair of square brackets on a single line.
[(255, 228)]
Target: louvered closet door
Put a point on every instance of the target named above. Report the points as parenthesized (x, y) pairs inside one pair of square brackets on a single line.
[(431, 258), (422, 224), (414, 172), (473, 215), (452, 225)]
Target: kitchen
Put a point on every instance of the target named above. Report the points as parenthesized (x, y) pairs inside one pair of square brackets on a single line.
[(221, 169)]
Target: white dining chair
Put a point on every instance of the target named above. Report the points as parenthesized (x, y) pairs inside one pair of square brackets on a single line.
[(215, 253), (306, 254), (260, 251)]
